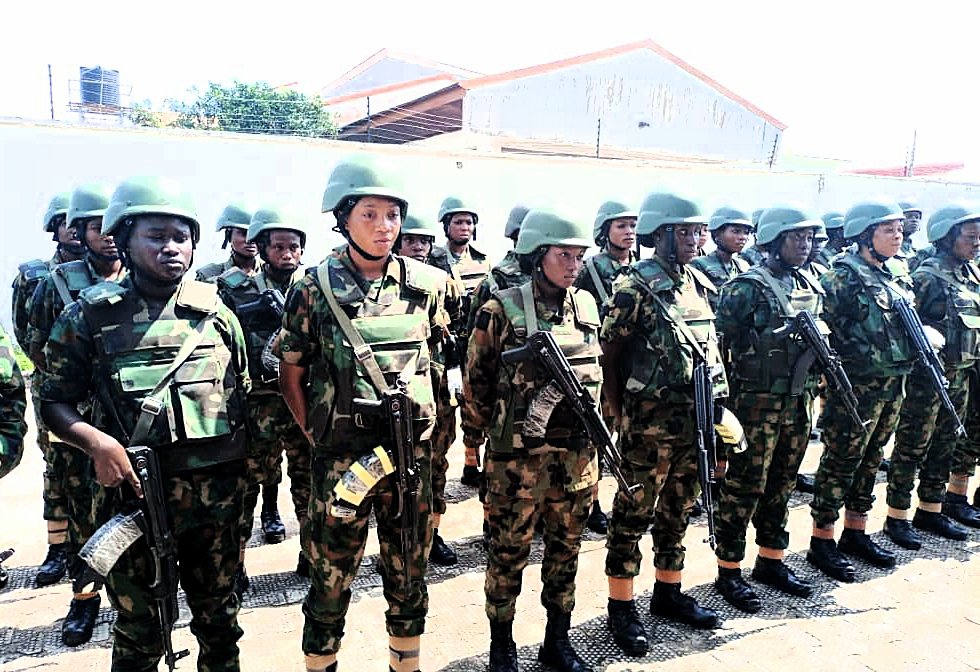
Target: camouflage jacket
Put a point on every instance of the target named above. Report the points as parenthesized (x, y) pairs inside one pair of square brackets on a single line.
[(237, 288), (719, 272), (210, 272), (658, 357), (865, 328), (511, 402), (29, 274), (751, 309), (753, 255), (114, 346), (51, 296), (921, 255), (600, 271), (13, 406), (401, 314), (505, 274), (947, 297)]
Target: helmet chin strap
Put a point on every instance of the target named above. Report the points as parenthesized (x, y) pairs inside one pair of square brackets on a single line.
[(361, 251)]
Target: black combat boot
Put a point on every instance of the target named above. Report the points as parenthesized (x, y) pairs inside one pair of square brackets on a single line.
[(957, 508), (441, 554), (859, 544), (627, 630), (80, 621), (668, 601), (823, 554), (272, 527), (503, 650), (804, 483), (736, 591), (471, 476), (884, 465), (780, 576), (303, 565), (901, 532), (557, 651), (54, 567), (240, 583), (597, 522), (939, 525), (697, 510)]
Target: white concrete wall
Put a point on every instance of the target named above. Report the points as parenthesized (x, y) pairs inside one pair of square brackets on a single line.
[(37, 160)]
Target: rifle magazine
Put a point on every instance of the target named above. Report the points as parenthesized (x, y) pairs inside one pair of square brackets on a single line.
[(106, 546)]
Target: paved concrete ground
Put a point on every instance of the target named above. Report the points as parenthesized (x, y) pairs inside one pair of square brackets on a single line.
[(923, 615)]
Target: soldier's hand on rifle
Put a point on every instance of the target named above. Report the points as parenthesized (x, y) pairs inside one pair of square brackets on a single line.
[(112, 465)]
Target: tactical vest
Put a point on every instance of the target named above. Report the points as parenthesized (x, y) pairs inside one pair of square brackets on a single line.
[(962, 311), (890, 346), (34, 270), (506, 274), (603, 281), (202, 419), (662, 363), (519, 386), (762, 361), (470, 269), (71, 278), (396, 325)]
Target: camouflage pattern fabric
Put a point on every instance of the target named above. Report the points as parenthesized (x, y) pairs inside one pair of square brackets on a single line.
[(761, 479), (443, 437), (719, 272), (921, 255), (851, 456), (966, 454), (505, 274), (210, 272), (335, 548), (555, 487), (753, 255), (23, 287), (608, 268), (13, 406)]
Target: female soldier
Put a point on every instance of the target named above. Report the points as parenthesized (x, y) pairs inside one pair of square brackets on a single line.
[(359, 297), (540, 462)]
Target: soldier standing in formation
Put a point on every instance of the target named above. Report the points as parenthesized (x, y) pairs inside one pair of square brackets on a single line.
[(947, 298), (547, 471), (659, 322), (753, 307), (833, 223), (67, 466), (29, 275), (13, 407), (363, 295), (158, 336), (730, 230), (234, 221), (814, 266), (754, 255), (866, 330), (257, 300)]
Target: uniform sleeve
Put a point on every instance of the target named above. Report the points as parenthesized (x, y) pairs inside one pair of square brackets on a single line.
[(479, 297), (482, 363), (70, 355), (736, 310), (13, 406), (44, 307), (846, 304), (439, 322), (236, 343), (297, 343), (622, 314), (930, 300)]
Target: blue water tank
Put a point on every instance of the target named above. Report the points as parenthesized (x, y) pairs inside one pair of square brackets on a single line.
[(99, 86)]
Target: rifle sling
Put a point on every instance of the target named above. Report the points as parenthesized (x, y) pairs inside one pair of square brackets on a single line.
[(596, 280), (670, 314)]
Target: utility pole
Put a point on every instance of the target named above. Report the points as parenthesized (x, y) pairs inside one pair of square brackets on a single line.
[(50, 92), (369, 118), (598, 134), (909, 167)]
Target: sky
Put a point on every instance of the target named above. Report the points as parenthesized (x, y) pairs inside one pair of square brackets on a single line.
[(851, 79)]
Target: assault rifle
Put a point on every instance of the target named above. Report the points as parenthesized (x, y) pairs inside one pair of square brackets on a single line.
[(704, 440), (805, 327), (542, 347), (395, 407), (927, 357), (268, 307)]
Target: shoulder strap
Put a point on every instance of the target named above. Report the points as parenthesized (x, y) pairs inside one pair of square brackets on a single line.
[(670, 313), (530, 313), (596, 280), (62, 287), (773, 283)]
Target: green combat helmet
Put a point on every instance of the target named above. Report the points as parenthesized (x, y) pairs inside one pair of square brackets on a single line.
[(820, 233), (547, 227), (728, 215), (88, 200), (150, 196), (362, 175), (782, 218), (236, 215), (272, 218), (452, 205), (57, 206), (833, 220), (909, 206), (755, 217), (419, 227), (869, 213), (662, 208), (609, 211), (514, 220), (943, 220)]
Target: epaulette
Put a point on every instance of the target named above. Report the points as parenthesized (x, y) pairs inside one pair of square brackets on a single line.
[(35, 269), (75, 274), (197, 295), (476, 254), (586, 310), (104, 293), (233, 278), (423, 277)]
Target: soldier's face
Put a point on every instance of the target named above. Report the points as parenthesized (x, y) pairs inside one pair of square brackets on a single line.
[(103, 246), (461, 226), (913, 219), (161, 247), (241, 245), (622, 232), (285, 250), (416, 247), (733, 237), (887, 238), (796, 247), (967, 244), (374, 224), (66, 235), (561, 264), (687, 237), (703, 238)]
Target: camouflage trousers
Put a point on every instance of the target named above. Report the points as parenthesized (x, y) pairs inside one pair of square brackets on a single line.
[(966, 454), (273, 430), (852, 454), (55, 498), (555, 486), (760, 480), (659, 455), (443, 437), (205, 510), (80, 487), (335, 548), (925, 441)]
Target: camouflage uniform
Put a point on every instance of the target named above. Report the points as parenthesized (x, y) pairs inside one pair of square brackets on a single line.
[(921, 255), (753, 255), (13, 406), (866, 331), (550, 477), (404, 308), (200, 442), (272, 426), (760, 480), (947, 297), (600, 272), (211, 272), (718, 271), (657, 433)]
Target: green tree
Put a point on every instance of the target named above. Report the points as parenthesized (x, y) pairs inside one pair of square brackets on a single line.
[(143, 115), (255, 108)]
